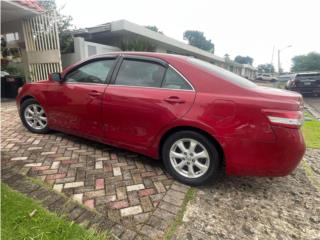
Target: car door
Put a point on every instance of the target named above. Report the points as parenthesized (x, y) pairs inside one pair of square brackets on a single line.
[(141, 101), (74, 105)]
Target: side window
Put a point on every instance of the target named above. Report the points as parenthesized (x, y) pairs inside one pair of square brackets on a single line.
[(94, 72), (173, 80), (140, 73)]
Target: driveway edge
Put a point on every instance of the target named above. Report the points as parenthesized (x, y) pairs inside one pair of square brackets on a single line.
[(63, 206), (312, 111)]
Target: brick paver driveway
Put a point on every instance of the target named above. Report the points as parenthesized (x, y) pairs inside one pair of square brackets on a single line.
[(128, 188)]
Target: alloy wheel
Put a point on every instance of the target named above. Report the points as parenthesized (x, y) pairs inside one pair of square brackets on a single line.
[(189, 158), (35, 116)]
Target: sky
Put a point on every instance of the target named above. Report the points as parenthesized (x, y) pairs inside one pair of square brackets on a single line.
[(236, 27)]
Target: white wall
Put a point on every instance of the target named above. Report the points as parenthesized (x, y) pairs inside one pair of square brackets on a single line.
[(83, 50)]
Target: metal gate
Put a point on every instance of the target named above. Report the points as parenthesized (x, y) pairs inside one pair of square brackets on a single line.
[(42, 45)]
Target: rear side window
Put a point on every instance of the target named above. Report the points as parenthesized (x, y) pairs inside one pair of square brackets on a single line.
[(140, 73), (308, 77), (173, 80), (93, 72)]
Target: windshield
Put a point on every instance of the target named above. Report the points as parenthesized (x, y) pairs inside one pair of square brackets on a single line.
[(218, 71)]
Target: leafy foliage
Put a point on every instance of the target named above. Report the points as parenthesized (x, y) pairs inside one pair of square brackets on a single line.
[(24, 218), (311, 132), (154, 28), (244, 60), (309, 62), (197, 39), (265, 68), (137, 45), (64, 26)]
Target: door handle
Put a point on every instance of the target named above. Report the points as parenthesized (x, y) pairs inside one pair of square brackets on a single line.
[(94, 93), (174, 99)]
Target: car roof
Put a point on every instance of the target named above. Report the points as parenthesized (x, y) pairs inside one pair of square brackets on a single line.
[(146, 54), (307, 73), (162, 56), (287, 75)]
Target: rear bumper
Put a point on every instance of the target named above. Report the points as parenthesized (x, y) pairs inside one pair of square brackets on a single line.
[(278, 158), (304, 90)]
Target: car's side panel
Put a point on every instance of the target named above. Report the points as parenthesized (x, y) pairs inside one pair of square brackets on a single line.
[(35, 90), (75, 108), (182, 123), (134, 115)]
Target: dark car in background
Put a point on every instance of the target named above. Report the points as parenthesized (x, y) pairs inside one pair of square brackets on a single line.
[(305, 83)]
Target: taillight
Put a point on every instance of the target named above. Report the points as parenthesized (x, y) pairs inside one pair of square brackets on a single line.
[(19, 89), (290, 119)]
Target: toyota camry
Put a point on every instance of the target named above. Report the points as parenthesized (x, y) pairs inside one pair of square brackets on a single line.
[(198, 118)]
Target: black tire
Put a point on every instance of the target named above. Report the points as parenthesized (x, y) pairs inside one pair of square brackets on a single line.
[(214, 158), (23, 107)]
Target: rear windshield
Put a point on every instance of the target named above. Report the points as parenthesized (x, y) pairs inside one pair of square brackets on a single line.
[(307, 77), (220, 72)]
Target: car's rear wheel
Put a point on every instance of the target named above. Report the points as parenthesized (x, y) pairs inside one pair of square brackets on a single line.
[(190, 157), (33, 116)]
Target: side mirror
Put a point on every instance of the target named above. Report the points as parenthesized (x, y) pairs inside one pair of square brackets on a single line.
[(55, 77)]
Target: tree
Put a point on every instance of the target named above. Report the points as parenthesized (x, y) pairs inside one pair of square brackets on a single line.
[(197, 39), (243, 60), (309, 62), (154, 28), (137, 45), (265, 68), (64, 26)]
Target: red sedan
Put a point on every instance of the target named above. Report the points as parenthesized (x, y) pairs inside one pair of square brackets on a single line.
[(193, 115)]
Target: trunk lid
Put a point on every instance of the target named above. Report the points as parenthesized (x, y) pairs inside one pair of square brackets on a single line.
[(281, 95)]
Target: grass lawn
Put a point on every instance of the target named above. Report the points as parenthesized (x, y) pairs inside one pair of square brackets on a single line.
[(311, 132), (18, 222)]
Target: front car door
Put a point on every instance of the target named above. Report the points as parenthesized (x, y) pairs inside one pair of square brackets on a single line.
[(145, 96), (74, 105)]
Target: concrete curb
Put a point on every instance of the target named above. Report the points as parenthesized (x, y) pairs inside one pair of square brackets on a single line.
[(312, 111), (64, 206)]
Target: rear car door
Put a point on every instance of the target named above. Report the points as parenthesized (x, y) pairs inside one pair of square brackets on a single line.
[(145, 96), (74, 105)]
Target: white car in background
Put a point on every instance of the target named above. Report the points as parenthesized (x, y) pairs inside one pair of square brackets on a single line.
[(266, 77)]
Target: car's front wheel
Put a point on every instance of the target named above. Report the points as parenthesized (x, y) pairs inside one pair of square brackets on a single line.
[(33, 116), (190, 157)]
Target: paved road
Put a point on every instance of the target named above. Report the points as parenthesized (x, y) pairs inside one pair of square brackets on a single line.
[(258, 208)]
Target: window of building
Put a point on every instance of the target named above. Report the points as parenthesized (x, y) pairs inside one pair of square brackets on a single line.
[(92, 50)]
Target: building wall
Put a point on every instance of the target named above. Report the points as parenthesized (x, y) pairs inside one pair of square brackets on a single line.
[(84, 49)]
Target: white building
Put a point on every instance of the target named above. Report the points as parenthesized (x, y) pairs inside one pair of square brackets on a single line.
[(113, 34), (32, 39)]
